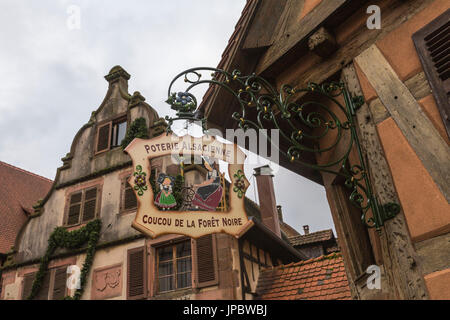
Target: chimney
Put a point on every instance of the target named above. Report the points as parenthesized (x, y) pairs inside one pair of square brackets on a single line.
[(306, 229), (267, 202)]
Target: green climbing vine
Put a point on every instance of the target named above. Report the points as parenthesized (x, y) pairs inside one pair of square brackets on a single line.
[(61, 238), (137, 129)]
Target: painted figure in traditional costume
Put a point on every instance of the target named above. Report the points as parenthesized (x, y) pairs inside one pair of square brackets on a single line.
[(208, 193), (165, 199)]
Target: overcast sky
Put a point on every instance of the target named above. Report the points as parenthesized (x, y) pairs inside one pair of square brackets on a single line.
[(51, 76)]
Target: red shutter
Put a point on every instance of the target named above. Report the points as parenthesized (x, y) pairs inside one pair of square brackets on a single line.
[(433, 47), (90, 204), (206, 261), (73, 216), (103, 137), (136, 274), (27, 285)]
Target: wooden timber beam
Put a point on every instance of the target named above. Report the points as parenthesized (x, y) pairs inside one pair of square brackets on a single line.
[(417, 128), (401, 262), (289, 40)]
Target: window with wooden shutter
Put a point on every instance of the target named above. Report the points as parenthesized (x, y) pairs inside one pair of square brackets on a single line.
[(45, 286), (136, 274), (59, 284), (103, 137), (206, 261), (83, 206), (90, 204), (129, 200), (433, 47), (73, 216), (27, 285)]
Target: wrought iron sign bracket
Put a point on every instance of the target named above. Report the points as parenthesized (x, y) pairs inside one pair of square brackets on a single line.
[(302, 125), (388, 211)]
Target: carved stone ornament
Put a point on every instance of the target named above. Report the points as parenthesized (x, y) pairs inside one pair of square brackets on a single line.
[(107, 282)]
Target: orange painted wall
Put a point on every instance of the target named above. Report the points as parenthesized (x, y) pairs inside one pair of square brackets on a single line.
[(426, 210), (428, 105), (308, 6), (438, 284)]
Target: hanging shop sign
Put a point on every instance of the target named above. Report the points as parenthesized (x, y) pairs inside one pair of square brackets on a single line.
[(181, 190)]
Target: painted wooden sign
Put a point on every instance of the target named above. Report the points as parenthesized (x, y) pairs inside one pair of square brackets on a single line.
[(186, 193)]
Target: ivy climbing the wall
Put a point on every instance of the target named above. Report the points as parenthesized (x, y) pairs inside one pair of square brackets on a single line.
[(61, 238), (137, 129)]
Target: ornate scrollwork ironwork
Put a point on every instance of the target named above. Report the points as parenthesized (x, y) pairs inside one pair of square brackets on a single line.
[(303, 125)]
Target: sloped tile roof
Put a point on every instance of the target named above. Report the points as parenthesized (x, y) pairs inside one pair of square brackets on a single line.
[(321, 278), (19, 191), (312, 237)]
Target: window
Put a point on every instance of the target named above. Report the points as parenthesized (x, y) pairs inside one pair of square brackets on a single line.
[(174, 266), (433, 47), (83, 206), (119, 130), (59, 283), (129, 200), (27, 284), (111, 134), (53, 285)]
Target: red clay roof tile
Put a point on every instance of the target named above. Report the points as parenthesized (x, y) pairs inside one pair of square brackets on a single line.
[(310, 279), (312, 237), (20, 190)]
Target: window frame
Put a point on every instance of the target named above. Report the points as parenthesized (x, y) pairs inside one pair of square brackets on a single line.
[(114, 130), (82, 204), (173, 245), (123, 117)]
